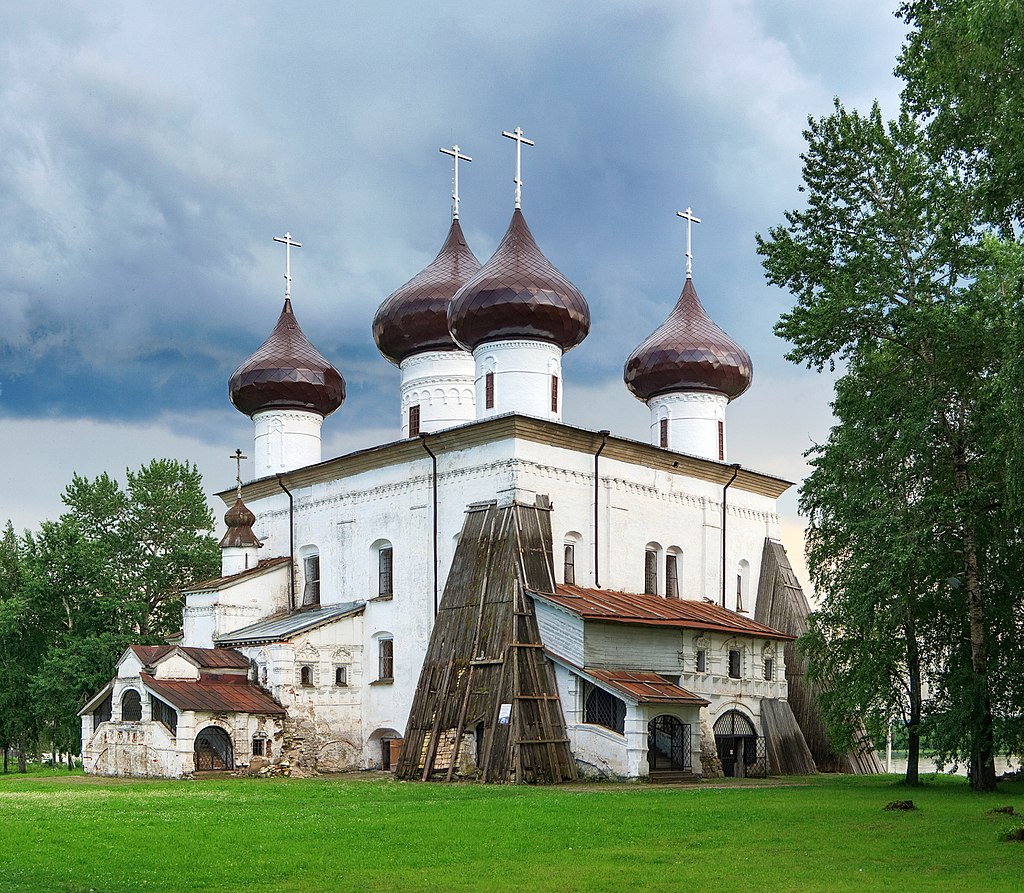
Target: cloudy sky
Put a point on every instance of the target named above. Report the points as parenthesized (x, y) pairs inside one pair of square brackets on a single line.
[(152, 151)]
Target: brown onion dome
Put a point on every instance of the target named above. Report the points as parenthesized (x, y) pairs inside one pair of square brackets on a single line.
[(688, 352), (415, 318), (287, 372), (519, 293), (239, 521)]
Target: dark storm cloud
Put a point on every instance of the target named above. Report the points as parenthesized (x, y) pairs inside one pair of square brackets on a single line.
[(152, 151)]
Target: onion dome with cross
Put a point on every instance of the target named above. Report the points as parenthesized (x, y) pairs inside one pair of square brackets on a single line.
[(287, 387), (287, 372), (687, 371), (414, 319), (519, 293)]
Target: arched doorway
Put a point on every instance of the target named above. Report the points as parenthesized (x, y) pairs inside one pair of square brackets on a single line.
[(214, 750), (737, 745), (668, 745)]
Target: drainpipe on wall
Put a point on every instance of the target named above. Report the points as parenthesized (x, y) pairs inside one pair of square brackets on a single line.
[(433, 475), (735, 471), (291, 543), (597, 490)]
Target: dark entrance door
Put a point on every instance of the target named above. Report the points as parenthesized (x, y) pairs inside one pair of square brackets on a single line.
[(668, 744), (214, 750), (736, 742)]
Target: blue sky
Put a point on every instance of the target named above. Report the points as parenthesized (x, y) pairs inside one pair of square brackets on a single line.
[(152, 151)]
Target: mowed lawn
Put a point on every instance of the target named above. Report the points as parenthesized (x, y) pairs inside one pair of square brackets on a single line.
[(71, 833)]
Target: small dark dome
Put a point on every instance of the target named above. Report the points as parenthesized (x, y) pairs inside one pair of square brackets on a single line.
[(287, 372), (415, 318), (688, 352), (239, 521), (518, 293)]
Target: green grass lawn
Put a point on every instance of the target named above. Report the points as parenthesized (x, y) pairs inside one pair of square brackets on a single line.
[(73, 833)]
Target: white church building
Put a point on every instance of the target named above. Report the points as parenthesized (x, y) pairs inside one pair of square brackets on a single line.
[(649, 586)]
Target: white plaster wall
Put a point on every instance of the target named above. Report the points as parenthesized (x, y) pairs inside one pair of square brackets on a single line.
[(176, 667), (343, 518), (522, 378), (215, 612), (693, 419), (235, 559), (441, 383), (285, 439)]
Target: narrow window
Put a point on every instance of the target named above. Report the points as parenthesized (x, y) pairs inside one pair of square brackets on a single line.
[(311, 591), (489, 390), (569, 567), (259, 747), (385, 571), (663, 433), (306, 675), (721, 441), (414, 420), (651, 572), (554, 393), (263, 676), (340, 676), (734, 663), (702, 660), (671, 575), (769, 668), (131, 706), (386, 659)]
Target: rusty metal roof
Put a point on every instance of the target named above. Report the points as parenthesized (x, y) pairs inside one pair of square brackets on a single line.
[(287, 372), (149, 654), (215, 694), (652, 610), (415, 317), (519, 293), (206, 658), (276, 629), (265, 565), (646, 687), (688, 351)]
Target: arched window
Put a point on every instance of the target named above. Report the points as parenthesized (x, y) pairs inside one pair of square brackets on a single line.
[(311, 576), (652, 559), (414, 420), (306, 675), (742, 584), (341, 676), (382, 556), (673, 571), (571, 541), (131, 706), (735, 662)]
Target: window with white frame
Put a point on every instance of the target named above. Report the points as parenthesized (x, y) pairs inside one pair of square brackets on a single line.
[(735, 663), (311, 577), (652, 558), (673, 571), (385, 659), (384, 566)]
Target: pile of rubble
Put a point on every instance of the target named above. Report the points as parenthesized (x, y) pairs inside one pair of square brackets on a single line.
[(261, 768)]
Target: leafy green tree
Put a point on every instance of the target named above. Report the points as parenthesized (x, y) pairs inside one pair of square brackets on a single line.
[(888, 268), (963, 64)]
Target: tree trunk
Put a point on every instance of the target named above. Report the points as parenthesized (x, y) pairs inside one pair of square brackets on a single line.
[(914, 725), (22, 759), (7, 753), (982, 765)]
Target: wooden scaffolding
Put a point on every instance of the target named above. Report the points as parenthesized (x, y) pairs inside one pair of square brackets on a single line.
[(782, 605), (486, 705)]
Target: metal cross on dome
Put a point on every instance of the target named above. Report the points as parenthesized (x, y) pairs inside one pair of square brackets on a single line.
[(456, 158), (286, 240), (238, 457), (688, 216), (517, 135)]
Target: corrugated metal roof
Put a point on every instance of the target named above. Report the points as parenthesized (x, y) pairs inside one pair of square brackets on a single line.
[(275, 629), (267, 564), (216, 695), (653, 610), (208, 658), (646, 687)]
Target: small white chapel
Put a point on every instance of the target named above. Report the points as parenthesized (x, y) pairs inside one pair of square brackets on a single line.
[(494, 594)]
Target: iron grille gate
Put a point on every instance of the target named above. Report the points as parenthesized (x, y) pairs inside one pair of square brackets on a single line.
[(668, 744)]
